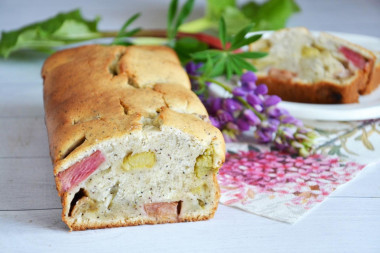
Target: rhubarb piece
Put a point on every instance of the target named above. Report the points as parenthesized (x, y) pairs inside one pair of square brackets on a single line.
[(353, 57), (163, 210), (80, 171), (281, 74)]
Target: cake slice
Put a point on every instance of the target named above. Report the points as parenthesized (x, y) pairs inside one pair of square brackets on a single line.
[(302, 67), (374, 79), (130, 142)]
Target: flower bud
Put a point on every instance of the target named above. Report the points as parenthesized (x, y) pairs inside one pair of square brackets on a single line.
[(239, 92), (224, 116), (248, 76), (231, 105), (272, 100), (261, 89), (251, 117), (243, 124), (253, 100)]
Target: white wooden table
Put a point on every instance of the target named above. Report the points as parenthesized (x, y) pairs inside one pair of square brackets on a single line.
[(348, 221)]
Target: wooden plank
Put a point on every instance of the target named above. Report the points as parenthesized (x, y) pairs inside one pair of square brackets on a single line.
[(27, 184), (23, 137), (339, 225), (21, 100)]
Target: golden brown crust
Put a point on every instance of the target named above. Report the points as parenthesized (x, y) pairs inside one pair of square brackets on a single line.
[(323, 92), (374, 80), (96, 93), (109, 106)]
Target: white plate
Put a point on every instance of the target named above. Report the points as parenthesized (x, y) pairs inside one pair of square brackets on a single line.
[(367, 108)]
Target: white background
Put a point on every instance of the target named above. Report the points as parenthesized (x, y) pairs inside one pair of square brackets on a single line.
[(348, 221)]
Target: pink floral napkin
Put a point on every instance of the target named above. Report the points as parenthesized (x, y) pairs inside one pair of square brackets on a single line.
[(283, 187)]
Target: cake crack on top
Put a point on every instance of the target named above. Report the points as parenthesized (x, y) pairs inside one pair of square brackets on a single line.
[(76, 144), (114, 67)]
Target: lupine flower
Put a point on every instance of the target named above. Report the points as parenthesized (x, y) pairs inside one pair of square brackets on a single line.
[(251, 109), (262, 89)]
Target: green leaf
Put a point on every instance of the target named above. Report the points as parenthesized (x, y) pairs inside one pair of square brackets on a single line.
[(235, 19), (171, 14), (228, 70), (185, 12), (235, 66), (123, 31), (271, 15), (187, 46), (245, 41), (174, 20), (218, 68), (207, 67), (128, 22), (250, 9), (216, 8), (206, 53), (240, 35), (222, 32), (243, 64), (252, 55), (63, 29)]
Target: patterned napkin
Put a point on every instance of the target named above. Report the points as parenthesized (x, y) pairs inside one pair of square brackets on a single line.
[(284, 187)]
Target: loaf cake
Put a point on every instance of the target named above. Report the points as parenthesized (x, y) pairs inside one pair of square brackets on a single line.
[(302, 67), (130, 142)]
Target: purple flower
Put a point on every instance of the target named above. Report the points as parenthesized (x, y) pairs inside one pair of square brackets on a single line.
[(253, 100), (239, 92), (249, 86), (248, 76), (261, 89), (224, 116), (272, 100), (192, 68), (234, 116), (288, 119), (251, 117), (276, 112), (214, 104), (231, 105), (215, 122), (272, 124), (243, 124), (263, 136)]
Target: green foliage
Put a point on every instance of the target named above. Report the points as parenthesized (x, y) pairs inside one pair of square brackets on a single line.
[(64, 28), (226, 61), (187, 46), (174, 21), (270, 15), (123, 33)]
